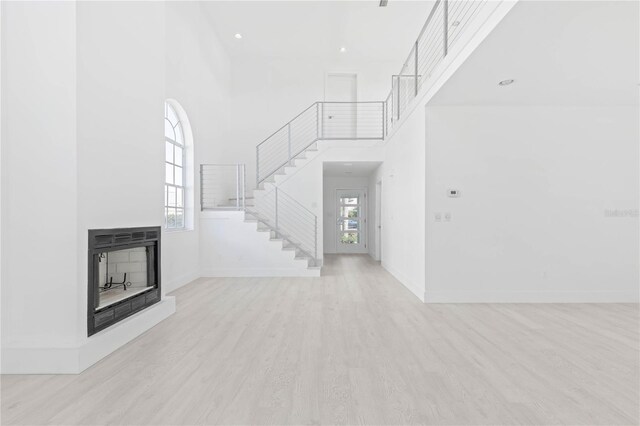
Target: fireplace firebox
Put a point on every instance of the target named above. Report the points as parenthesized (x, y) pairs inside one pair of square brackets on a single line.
[(124, 274)]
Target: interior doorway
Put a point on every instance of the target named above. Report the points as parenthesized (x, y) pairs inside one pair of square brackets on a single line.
[(349, 207), (351, 226), (339, 112)]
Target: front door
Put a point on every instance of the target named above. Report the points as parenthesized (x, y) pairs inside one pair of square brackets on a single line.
[(351, 224)]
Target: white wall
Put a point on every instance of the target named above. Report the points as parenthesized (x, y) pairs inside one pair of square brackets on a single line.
[(403, 204), (198, 77), (83, 147), (39, 175), (120, 94), (329, 186), (531, 223)]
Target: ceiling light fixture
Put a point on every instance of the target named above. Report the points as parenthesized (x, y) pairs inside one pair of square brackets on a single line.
[(238, 36), (343, 49), (506, 82), (383, 3)]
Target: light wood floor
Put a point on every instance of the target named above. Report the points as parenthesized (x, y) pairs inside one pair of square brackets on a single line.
[(353, 346)]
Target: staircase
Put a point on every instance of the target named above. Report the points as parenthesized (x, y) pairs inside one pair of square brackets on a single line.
[(274, 211)]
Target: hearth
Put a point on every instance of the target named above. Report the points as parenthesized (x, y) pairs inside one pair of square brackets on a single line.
[(124, 274)]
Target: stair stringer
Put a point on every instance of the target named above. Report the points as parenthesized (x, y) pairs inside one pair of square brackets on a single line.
[(234, 245)]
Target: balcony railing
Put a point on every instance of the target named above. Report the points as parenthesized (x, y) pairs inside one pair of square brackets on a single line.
[(444, 26), (222, 187)]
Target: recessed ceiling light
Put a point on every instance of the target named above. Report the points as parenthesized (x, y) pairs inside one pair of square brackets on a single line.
[(506, 82), (238, 36), (343, 49)]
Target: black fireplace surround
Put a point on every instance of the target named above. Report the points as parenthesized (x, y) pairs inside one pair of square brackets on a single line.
[(128, 300)]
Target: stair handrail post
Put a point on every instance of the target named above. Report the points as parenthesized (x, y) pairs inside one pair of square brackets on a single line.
[(289, 140), (384, 119), (415, 72), (237, 186), (445, 16), (276, 207), (315, 242), (321, 119), (244, 187), (257, 166), (398, 90), (201, 189)]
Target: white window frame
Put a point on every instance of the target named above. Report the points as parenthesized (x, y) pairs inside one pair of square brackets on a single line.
[(178, 205)]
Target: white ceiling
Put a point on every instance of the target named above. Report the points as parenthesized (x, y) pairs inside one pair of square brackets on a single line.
[(559, 53), (317, 29), (349, 169)]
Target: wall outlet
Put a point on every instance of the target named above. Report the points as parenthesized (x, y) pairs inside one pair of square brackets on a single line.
[(453, 193)]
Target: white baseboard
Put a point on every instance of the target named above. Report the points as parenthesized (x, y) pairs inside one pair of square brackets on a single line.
[(259, 272), (528, 297), (417, 290), (75, 359)]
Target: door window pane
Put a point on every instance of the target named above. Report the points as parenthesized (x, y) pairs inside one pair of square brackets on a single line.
[(349, 238), (350, 225), (349, 200), (347, 211)]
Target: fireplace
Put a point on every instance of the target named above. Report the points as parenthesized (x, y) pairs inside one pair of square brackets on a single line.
[(124, 274)]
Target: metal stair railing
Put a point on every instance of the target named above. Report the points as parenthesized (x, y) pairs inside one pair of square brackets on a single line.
[(320, 121), (222, 187), (289, 220)]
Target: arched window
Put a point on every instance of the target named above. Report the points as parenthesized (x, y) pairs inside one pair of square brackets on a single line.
[(175, 169)]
